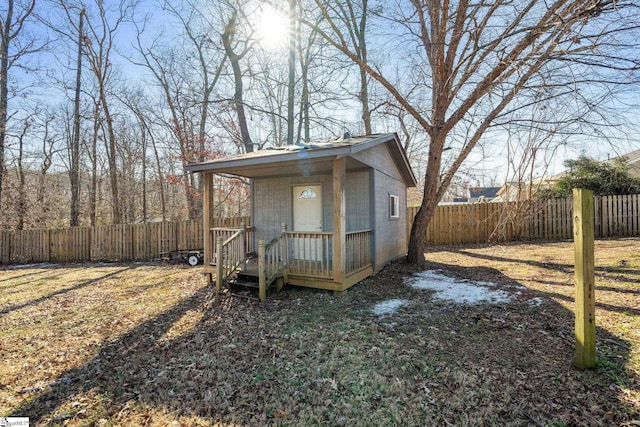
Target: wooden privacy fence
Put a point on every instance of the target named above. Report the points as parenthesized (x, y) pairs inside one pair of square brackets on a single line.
[(525, 220), (451, 225), (136, 242)]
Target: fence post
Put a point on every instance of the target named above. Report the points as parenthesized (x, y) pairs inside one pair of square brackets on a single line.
[(219, 267), (585, 320)]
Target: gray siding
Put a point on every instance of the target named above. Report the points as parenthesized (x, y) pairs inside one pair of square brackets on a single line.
[(380, 159), (272, 203), (390, 234), (357, 195)]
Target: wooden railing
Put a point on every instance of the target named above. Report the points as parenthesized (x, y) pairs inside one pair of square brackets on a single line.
[(227, 233), (358, 250), (272, 262), (230, 256), (217, 233), (310, 254)]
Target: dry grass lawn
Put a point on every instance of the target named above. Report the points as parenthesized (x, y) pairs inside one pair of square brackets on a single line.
[(150, 344)]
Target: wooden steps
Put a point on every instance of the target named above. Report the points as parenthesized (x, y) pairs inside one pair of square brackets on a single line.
[(246, 284)]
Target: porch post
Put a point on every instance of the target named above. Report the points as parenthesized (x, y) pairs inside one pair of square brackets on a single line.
[(339, 220), (206, 223)]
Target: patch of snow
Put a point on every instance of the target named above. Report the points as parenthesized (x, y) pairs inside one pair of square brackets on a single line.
[(459, 291), (537, 301), (40, 265), (389, 306)]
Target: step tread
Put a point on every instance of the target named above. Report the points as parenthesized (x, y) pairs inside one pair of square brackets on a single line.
[(245, 283)]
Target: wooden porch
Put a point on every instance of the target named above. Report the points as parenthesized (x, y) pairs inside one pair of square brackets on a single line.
[(298, 258)]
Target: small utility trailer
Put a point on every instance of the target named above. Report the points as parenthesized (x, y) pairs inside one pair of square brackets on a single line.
[(192, 257)]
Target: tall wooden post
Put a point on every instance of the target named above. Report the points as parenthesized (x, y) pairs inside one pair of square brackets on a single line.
[(262, 280), (206, 218), (243, 242), (206, 224), (339, 220), (285, 256), (219, 266), (585, 322)]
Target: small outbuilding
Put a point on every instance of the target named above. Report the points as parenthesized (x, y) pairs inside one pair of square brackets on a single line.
[(323, 215)]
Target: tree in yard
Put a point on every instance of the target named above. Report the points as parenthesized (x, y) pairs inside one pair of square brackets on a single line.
[(49, 139), (291, 62), (189, 76), (74, 151), (473, 63), (13, 19), (101, 23), (22, 191), (603, 178), (236, 49), (355, 19)]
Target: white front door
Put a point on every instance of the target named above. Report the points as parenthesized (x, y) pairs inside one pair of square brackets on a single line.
[(307, 216)]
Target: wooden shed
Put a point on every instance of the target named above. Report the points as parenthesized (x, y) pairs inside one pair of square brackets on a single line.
[(324, 215)]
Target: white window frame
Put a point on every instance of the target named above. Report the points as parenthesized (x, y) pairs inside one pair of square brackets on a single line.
[(394, 206)]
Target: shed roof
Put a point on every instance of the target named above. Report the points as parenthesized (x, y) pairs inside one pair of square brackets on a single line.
[(307, 158)]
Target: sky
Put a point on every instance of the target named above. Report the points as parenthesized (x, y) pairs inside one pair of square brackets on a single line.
[(488, 165)]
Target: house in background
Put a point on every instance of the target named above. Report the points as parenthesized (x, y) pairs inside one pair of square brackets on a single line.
[(478, 194), (324, 215), (525, 190), (519, 191), (633, 161)]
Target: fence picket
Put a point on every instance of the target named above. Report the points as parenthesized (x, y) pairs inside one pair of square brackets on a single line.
[(451, 224)]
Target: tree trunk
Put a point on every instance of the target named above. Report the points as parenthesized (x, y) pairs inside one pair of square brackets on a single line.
[(4, 87), (144, 174), (291, 84), (430, 199), (22, 195), (234, 58), (364, 89), (74, 173), (93, 194), (111, 156), (163, 202)]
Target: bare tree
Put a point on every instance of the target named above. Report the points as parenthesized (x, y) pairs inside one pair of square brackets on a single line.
[(478, 61), (187, 77), (101, 22), (354, 17), (12, 49), (236, 50), (291, 62), (74, 152), (48, 150), (22, 193)]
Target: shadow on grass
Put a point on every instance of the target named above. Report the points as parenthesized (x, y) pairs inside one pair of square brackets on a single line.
[(31, 274), (463, 359), (114, 372), (565, 268), (81, 285), (599, 305)]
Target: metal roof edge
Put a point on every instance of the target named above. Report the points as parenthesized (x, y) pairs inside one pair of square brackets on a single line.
[(313, 154)]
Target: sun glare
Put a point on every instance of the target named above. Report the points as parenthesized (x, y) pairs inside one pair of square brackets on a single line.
[(273, 28)]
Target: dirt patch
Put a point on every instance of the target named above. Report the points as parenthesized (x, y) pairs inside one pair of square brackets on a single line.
[(152, 345)]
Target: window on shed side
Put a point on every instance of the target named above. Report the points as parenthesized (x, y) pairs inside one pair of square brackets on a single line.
[(394, 206)]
